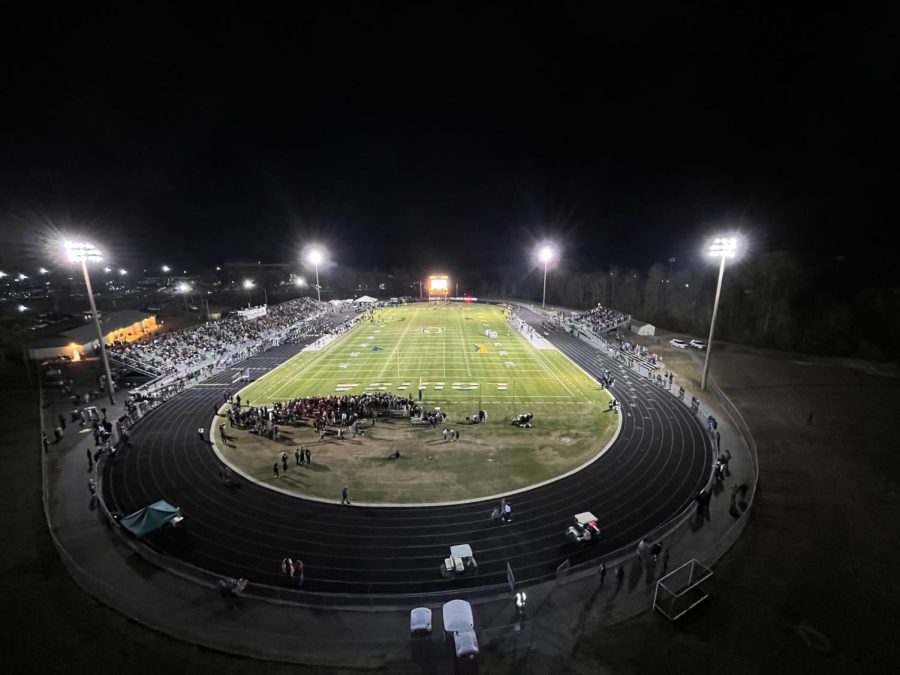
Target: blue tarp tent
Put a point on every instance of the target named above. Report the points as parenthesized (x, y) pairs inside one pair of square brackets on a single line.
[(150, 518)]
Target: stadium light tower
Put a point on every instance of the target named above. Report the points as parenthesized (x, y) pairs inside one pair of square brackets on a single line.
[(724, 247), (84, 252), (546, 253), (315, 256), (248, 284)]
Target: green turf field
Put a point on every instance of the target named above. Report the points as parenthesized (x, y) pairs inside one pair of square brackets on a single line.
[(442, 350)]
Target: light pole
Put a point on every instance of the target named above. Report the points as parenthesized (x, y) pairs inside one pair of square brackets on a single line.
[(185, 290), (83, 252), (315, 256), (248, 284), (724, 247), (545, 255)]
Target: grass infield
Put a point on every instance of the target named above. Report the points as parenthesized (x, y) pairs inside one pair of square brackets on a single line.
[(462, 358)]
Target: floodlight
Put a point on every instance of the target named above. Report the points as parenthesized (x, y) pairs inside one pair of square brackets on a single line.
[(43, 270), (723, 246), (166, 268), (22, 308), (315, 256), (81, 251), (123, 271), (248, 283), (299, 281), (184, 287)]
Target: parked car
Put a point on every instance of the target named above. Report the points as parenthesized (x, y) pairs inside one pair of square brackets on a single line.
[(698, 344), (678, 344)]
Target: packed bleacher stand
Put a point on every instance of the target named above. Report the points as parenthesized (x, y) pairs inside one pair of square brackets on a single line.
[(219, 343), (600, 319)]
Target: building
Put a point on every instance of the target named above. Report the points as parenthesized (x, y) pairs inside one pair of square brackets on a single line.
[(127, 325)]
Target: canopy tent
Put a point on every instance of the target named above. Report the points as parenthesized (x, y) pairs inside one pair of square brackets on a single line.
[(151, 518), (365, 300)]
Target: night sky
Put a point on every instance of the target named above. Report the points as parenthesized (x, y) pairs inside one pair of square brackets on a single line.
[(431, 135)]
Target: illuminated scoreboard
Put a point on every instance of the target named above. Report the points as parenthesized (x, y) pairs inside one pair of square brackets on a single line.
[(438, 286)]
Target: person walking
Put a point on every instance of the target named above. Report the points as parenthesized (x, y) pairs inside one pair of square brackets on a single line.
[(284, 461), (308, 459), (287, 567), (345, 495), (297, 456), (298, 572), (275, 470)]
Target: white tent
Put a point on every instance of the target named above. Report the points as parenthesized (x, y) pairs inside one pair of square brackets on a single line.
[(365, 300)]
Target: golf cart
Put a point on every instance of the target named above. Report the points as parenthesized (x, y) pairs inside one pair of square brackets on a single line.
[(460, 562), (584, 528)]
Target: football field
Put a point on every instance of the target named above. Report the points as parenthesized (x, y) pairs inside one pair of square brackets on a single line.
[(452, 353)]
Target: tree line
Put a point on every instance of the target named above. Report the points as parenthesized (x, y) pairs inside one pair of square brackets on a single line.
[(774, 300)]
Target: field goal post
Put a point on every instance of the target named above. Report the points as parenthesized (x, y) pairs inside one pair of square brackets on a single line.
[(679, 591)]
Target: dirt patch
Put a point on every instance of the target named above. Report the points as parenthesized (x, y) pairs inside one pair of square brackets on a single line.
[(489, 458)]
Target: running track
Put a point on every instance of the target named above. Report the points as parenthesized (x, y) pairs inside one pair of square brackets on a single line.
[(649, 475)]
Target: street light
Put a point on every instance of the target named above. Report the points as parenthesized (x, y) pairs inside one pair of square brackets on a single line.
[(83, 252), (315, 256), (248, 284), (43, 270), (166, 269), (546, 253), (123, 272), (724, 247), (185, 289)]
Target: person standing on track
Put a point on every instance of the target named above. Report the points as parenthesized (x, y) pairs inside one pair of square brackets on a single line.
[(345, 495), (275, 470)]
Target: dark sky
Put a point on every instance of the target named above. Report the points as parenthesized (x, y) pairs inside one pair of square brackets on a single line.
[(429, 134)]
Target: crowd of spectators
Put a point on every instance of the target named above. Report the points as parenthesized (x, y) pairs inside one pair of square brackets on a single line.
[(599, 319), (186, 350), (336, 411)]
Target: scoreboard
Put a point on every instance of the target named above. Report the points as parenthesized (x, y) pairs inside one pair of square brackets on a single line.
[(438, 286)]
